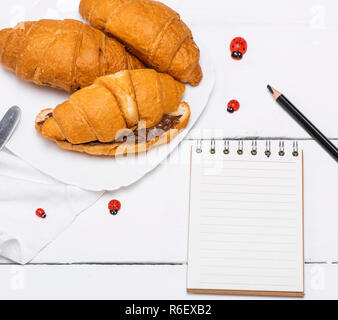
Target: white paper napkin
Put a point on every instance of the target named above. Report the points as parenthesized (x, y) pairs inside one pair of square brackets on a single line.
[(23, 190)]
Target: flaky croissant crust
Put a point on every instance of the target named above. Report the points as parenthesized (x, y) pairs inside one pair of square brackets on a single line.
[(115, 103), (130, 146), (152, 31), (65, 54)]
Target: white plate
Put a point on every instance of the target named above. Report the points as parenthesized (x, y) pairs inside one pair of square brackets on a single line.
[(89, 172)]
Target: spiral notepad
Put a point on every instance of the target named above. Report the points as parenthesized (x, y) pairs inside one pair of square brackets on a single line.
[(246, 219)]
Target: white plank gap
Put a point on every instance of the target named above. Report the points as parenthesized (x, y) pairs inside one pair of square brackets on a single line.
[(131, 282)]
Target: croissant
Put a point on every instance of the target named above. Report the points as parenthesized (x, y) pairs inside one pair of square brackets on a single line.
[(152, 31), (127, 112), (65, 54)]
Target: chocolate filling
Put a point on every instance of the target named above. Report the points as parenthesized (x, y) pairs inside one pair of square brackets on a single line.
[(47, 116), (139, 136)]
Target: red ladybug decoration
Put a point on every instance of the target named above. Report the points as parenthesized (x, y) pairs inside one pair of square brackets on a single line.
[(238, 48), (41, 213), (114, 207), (233, 106)]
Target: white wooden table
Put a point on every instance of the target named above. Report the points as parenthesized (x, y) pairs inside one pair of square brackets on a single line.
[(141, 253)]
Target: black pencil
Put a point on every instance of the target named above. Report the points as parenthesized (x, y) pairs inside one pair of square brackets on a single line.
[(305, 123)]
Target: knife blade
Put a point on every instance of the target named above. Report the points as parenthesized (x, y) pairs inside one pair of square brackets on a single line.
[(8, 124)]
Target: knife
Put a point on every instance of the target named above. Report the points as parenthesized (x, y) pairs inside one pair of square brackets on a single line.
[(8, 124)]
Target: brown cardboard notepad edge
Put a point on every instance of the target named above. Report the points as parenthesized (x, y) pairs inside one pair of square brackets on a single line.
[(248, 293)]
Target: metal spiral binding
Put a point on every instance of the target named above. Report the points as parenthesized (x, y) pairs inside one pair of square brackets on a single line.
[(226, 147), (213, 146), (199, 146), (254, 148), (295, 152), (268, 148), (281, 148), (240, 147)]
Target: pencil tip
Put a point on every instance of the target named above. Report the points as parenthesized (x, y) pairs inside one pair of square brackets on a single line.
[(270, 89), (274, 92)]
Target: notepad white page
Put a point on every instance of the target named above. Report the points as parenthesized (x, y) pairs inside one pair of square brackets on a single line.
[(246, 223)]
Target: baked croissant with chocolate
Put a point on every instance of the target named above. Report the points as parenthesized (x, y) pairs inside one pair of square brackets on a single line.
[(119, 114), (65, 54), (152, 31)]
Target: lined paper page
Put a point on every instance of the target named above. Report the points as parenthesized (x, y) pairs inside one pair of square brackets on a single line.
[(246, 223)]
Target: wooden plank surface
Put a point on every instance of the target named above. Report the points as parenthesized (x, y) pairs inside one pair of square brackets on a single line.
[(152, 227), (285, 48), (285, 41), (131, 282)]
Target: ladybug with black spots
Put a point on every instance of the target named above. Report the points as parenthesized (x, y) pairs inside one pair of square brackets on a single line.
[(114, 207), (238, 48), (41, 213), (233, 106)]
